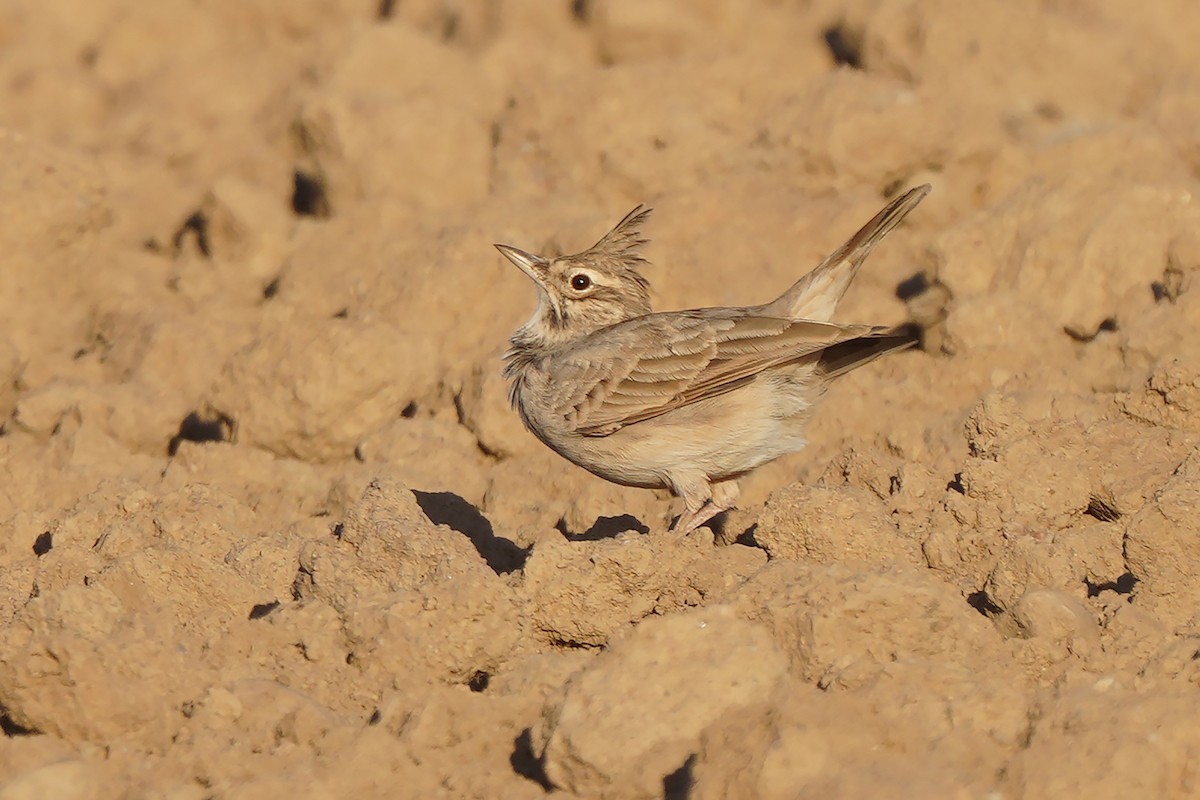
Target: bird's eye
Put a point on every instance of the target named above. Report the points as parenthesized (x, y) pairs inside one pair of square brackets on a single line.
[(580, 282)]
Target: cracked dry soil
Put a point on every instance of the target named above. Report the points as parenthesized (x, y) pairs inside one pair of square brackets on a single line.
[(270, 530)]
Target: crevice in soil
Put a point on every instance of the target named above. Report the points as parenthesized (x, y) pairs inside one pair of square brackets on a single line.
[(678, 785), (195, 428), (195, 226), (1102, 510), (1124, 584), (11, 728), (261, 610), (309, 198), (1108, 325), (983, 604), (525, 763), (479, 681), (844, 46)]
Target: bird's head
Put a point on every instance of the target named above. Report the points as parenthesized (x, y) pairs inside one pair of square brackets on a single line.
[(586, 291)]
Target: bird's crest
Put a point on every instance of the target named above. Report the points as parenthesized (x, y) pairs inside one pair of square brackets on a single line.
[(622, 244)]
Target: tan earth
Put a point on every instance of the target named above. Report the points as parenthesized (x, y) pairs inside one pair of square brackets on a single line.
[(271, 531)]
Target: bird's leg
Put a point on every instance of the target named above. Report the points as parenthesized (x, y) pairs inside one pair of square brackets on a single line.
[(696, 493), (701, 506), (689, 520), (725, 494)]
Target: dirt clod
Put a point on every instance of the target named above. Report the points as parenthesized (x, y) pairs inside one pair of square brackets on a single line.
[(269, 526)]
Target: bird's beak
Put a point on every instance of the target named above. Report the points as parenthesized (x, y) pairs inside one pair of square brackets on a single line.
[(533, 266)]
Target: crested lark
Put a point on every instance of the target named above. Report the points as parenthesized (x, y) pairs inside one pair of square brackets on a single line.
[(684, 400)]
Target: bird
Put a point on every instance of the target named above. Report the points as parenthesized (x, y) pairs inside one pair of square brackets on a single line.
[(691, 400)]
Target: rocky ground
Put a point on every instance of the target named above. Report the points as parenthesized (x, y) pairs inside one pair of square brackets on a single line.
[(269, 528)]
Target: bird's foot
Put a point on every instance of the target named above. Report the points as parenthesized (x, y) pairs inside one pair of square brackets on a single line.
[(721, 497), (689, 520)]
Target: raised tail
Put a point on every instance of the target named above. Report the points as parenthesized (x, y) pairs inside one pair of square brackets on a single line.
[(844, 356), (816, 295)]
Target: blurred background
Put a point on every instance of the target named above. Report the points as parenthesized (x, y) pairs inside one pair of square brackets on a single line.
[(247, 268)]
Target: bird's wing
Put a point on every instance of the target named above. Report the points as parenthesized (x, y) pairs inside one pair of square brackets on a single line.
[(648, 366)]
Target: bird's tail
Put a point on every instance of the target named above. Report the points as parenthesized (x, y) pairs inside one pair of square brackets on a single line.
[(851, 354), (816, 295)]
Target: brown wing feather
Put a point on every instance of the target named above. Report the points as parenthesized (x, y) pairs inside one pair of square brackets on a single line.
[(678, 359)]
